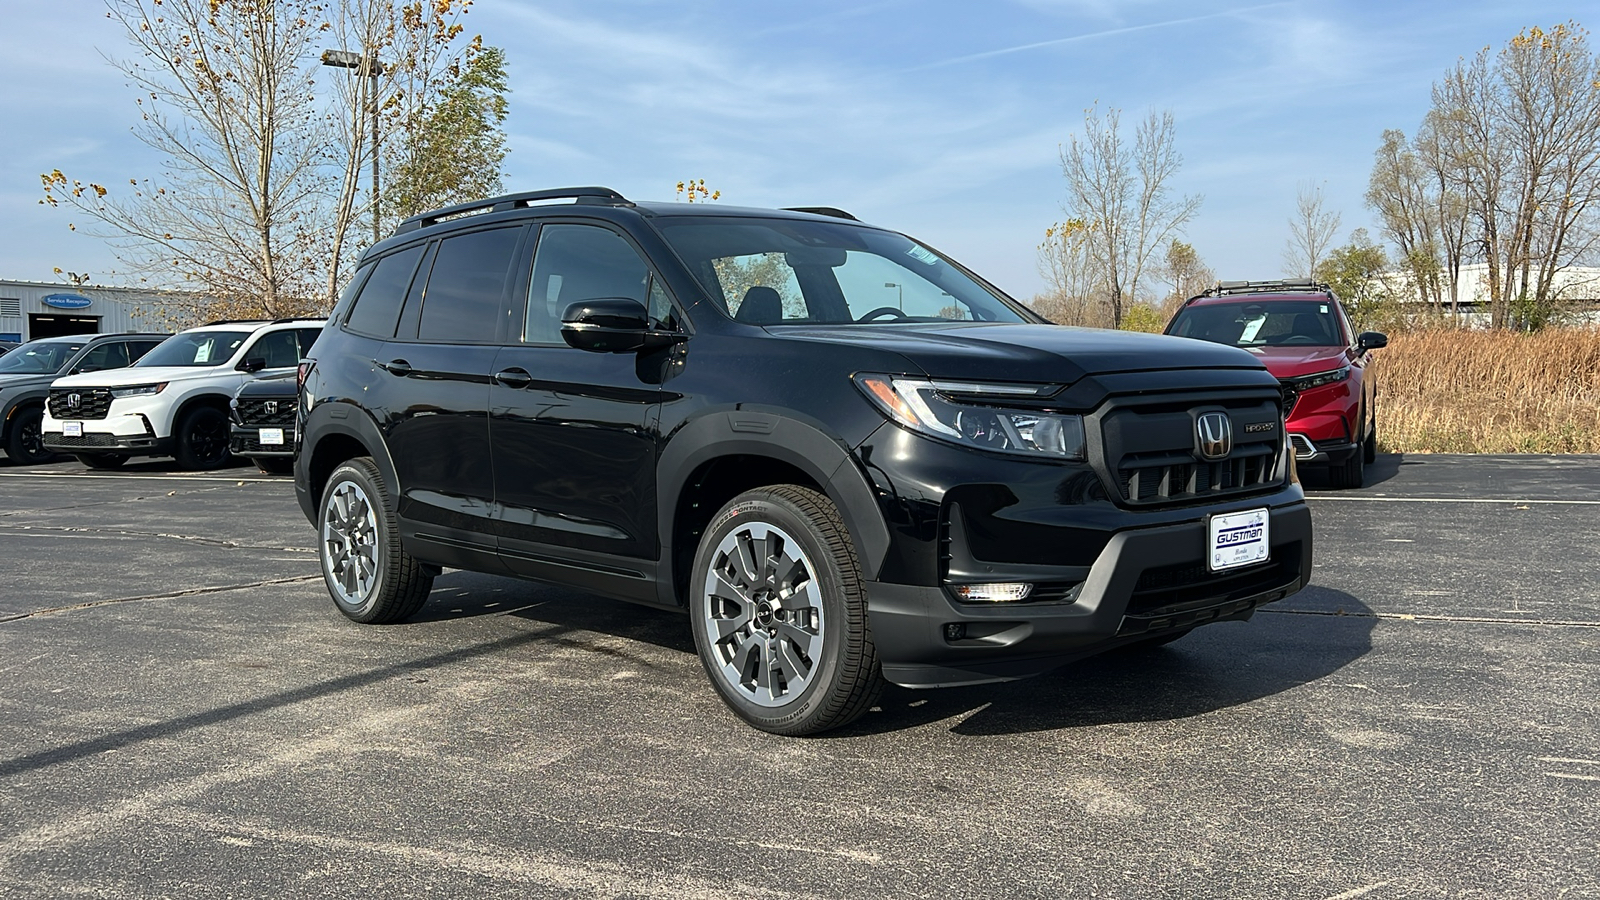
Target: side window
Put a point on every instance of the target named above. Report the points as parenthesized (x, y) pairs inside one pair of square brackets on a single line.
[(279, 349), (661, 305), (378, 308), (467, 287), (306, 337), (110, 355), (575, 263), (137, 349)]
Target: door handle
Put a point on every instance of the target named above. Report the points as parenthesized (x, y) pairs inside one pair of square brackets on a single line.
[(514, 378), (395, 367)]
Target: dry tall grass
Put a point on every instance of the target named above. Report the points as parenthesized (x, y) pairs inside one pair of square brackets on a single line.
[(1490, 392)]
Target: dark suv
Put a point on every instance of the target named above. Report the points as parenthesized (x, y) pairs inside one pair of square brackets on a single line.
[(848, 458)]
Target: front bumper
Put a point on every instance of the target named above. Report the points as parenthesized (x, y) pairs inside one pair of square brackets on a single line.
[(131, 434), (245, 440), (1145, 582)]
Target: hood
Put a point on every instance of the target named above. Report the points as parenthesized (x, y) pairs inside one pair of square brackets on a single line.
[(13, 379), (1293, 362), (138, 375), (1056, 354), (284, 384)]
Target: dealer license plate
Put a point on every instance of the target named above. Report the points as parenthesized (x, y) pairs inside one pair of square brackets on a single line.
[(1238, 539), (72, 429), (272, 436)]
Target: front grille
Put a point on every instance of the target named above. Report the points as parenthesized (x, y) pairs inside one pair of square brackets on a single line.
[(85, 440), (92, 403), (268, 412), (251, 443), (1151, 449), (1192, 584)]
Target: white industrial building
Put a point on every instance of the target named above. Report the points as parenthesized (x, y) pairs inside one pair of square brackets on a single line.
[(30, 309)]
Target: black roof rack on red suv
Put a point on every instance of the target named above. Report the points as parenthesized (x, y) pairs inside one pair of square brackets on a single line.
[(600, 195), (1281, 285)]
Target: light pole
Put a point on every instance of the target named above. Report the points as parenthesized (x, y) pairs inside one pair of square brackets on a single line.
[(900, 294), (371, 67)]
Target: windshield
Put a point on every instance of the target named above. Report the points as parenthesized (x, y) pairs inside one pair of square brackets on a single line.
[(1279, 323), (194, 348), (794, 272), (39, 357)]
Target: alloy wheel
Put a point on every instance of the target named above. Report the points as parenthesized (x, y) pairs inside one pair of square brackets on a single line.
[(350, 543), (763, 614)]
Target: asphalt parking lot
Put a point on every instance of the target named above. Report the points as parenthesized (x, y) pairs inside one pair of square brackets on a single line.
[(184, 714)]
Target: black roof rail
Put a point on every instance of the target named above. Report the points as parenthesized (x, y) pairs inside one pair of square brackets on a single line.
[(512, 201), (1281, 285), (822, 211), (299, 319), (233, 322)]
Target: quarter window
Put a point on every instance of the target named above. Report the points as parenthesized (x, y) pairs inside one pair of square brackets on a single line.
[(575, 263), (377, 310), (466, 290)]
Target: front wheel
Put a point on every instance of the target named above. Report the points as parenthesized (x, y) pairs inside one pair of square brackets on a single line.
[(25, 443), (202, 439), (1349, 474), (780, 614), (371, 578)]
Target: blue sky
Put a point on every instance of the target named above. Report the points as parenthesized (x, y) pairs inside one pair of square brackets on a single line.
[(941, 119)]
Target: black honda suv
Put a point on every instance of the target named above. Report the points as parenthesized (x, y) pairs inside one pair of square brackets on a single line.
[(848, 458)]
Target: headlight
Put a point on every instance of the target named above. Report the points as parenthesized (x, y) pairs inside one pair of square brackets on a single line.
[(1307, 382), (931, 407), (139, 390)]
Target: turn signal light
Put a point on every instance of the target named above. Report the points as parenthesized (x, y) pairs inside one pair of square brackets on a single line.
[(1005, 592)]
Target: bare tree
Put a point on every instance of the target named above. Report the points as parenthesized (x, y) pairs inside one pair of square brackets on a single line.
[(1311, 232), (260, 187), (1124, 193), (1076, 292)]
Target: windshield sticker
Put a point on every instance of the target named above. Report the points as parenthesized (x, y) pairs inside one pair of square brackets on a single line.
[(1251, 328), (1323, 309), (922, 255), (202, 352)]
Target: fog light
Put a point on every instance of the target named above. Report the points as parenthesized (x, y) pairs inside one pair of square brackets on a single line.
[(1005, 592), (955, 631)]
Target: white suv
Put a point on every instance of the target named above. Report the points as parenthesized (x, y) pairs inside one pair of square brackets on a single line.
[(174, 401)]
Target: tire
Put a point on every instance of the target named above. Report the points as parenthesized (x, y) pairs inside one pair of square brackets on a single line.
[(1369, 447), (777, 601), (201, 439), (1350, 473), (371, 578), (25, 443), (101, 460), (275, 465)]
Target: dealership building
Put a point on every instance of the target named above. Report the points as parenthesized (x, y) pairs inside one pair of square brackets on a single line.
[(31, 310)]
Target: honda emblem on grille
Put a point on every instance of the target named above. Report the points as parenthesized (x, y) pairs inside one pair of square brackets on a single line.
[(270, 407), (1215, 431), (73, 401)]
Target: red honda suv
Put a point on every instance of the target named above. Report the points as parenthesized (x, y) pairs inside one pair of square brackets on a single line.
[(1299, 330)]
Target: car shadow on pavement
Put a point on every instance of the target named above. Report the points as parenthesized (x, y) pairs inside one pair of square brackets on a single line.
[(1385, 467), (1217, 667)]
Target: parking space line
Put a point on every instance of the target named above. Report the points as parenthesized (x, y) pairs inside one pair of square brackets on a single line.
[(1406, 617), (1569, 760), (187, 592), (1347, 498), (1571, 776), (253, 479)]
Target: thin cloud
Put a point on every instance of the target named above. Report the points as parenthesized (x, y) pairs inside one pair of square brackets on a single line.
[(1095, 35)]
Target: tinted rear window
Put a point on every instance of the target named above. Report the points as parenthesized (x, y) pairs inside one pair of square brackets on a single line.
[(466, 290), (378, 308)]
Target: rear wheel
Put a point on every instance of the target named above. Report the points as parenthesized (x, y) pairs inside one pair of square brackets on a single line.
[(371, 578), (780, 615), (101, 460), (1369, 447), (25, 443), (202, 439)]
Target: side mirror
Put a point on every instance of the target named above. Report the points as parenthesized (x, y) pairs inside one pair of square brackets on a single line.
[(253, 364), (1371, 340), (615, 325)]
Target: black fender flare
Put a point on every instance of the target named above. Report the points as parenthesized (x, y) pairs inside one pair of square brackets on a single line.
[(784, 437), (333, 418)]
